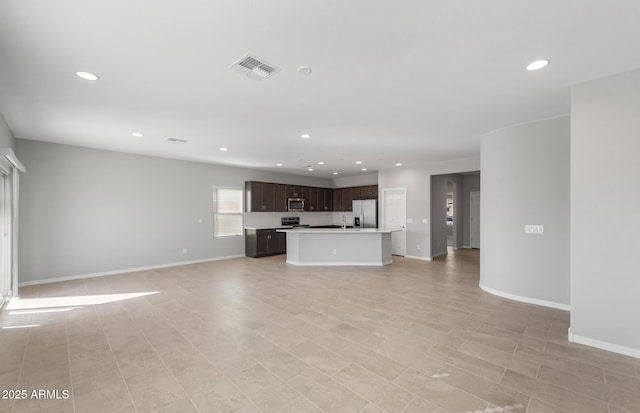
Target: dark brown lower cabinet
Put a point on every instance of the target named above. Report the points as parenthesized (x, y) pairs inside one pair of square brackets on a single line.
[(264, 242)]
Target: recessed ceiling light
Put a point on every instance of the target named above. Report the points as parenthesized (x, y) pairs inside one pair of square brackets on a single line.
[(87, 75), (223, 149), (358, 162), (320, 163), (335, 173), (398, 164), (310, 169), (137, 134), (363, 169), (538, 64), (305, 70), (305, 136), (278, 164)]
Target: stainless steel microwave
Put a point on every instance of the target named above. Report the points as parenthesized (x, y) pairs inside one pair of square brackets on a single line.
[(295, 204)]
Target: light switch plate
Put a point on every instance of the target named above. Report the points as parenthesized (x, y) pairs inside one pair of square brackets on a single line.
[(534, 229), (425, 220)]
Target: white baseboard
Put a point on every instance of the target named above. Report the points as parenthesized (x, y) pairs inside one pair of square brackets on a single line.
[(339, 264), (123, 271), (415, 257), (603, 345), (528, 300)]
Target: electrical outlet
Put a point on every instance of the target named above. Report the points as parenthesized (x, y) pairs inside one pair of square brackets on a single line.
[(200, 221), (425, 220), (418, 247), (184, 250), (409, 220), (335, 251)]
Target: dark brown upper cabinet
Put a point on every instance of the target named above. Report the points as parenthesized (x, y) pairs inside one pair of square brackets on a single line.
[(325, 199), (368, 192), (259, 196), (312, 199), (281, 198), (270, 197), (295, 191), (347, 197)]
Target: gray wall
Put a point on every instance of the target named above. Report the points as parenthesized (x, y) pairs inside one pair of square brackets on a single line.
[(356, 180), (417, 181), (525, 180), (470, 183), (85, 211), (6, 137), (605, 211)]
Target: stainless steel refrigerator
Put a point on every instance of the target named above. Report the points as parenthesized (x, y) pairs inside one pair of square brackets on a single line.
[(365, 214)]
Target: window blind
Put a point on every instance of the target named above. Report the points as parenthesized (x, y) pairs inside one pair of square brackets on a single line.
[(227, 212)]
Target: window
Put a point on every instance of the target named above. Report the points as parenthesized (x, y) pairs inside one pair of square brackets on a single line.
[(227, 212)]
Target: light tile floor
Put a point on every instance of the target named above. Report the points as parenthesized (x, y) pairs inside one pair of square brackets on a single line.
[(255, 335)]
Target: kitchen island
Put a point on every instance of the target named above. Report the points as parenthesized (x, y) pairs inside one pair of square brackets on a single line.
[(338, 246)]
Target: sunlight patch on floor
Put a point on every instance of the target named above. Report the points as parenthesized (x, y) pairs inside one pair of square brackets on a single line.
[(71, 301)]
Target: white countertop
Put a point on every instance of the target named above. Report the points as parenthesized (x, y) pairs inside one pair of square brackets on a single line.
[(271, 227), (339, 230)]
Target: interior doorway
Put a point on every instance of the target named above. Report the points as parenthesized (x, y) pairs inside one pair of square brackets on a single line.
[(451, 219), (451, 212), (5, 233), (394, 215), (10, 169), (474, 219)]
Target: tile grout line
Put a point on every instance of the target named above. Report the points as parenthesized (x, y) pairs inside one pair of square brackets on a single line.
[(310, 366), (410, 402), (526, 410), (465, 391), (433, 403), (115, 359), (66, 330), (24, 358), (161, 359), (305, 398), (597, 397), (213, 364), (313, 367), (558, 386), (390, 381), (550, 346)]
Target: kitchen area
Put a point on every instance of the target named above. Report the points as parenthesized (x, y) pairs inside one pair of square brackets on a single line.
[(315, 226)]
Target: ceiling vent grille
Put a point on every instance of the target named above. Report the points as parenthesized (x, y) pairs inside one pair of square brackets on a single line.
[(176, 140), (253, 67)]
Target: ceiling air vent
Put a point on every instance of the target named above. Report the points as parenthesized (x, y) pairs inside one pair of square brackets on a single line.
[(253, 67)]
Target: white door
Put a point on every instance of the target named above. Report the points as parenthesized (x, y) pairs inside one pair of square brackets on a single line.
[(474, 219), (5, 235), (394, 215)]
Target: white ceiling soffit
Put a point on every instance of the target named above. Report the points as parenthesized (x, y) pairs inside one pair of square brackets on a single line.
[(406, 82), (253, 67)]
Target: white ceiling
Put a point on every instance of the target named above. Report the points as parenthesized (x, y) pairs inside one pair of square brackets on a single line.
[(393, 81)]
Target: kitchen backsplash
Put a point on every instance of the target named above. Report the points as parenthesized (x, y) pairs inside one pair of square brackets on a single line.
[(266, 219)]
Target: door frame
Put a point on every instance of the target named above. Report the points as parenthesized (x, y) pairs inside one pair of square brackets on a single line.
[(472, 195), (385, 191)]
